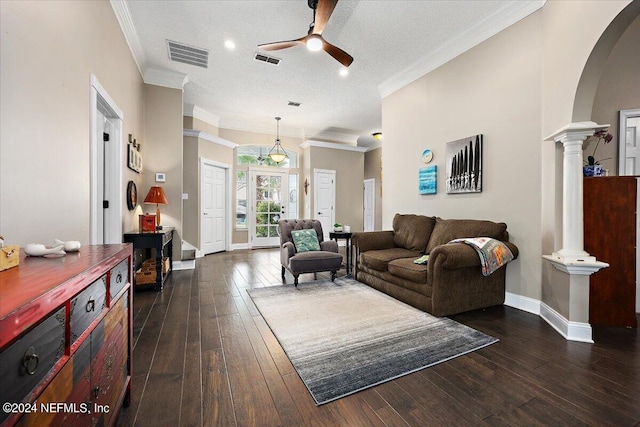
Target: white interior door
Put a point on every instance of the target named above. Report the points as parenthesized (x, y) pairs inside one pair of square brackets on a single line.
[(324, 197), (213, 220), (369, 204), (106, 167), (268, 198), (629, 146)]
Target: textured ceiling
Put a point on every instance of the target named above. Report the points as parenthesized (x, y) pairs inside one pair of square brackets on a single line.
[(389, 40)]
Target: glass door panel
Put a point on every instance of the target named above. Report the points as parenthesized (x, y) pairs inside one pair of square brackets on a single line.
[(269, 206)]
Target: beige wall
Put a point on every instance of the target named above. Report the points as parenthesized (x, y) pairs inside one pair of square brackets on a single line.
[(349, 167), (373, 170), (163, 153), (191, 186), (197, 124), (623, 65), (493, 89), (515, 88), (49, 50)]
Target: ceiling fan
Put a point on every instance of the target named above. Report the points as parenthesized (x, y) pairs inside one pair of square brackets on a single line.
[(322, 10)]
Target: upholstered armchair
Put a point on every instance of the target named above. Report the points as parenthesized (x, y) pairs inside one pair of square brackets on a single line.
[(324, 257)]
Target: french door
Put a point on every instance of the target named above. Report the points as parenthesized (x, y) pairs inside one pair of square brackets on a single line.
[(268, 198)]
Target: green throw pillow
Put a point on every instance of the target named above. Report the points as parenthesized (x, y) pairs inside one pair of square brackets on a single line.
[(305, 240)]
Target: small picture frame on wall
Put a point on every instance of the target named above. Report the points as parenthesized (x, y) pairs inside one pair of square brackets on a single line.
[(428, 180), (134, 158), (161, 177)]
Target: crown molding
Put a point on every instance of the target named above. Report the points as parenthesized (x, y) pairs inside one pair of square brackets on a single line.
[(209, 137), (333, 145), (201, 114), (164, 78), (121, 10), (506, 16)]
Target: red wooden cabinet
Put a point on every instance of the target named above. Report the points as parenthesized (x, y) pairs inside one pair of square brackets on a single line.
[(65, 338), (610, 205)]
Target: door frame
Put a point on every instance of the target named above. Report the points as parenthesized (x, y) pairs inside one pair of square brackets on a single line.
[(251, 214), (622, 134), (100, 100), (316, 172), (371, 181), (227, 201)]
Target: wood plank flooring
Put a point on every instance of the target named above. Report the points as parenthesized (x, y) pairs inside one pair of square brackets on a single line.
[(203, 356)]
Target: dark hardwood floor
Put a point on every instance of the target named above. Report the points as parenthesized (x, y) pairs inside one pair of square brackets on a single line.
[(203, 355)]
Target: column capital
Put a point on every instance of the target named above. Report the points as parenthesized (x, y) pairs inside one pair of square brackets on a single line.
[(577, 131)]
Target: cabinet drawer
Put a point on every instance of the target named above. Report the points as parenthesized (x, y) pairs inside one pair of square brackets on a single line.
[(87, 306), (25, 362), (119, 277)]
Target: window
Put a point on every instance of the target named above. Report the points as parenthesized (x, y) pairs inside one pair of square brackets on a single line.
[(241, 200), (257, 155)]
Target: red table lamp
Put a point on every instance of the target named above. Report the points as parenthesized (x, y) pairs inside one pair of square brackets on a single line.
[(156, 195)]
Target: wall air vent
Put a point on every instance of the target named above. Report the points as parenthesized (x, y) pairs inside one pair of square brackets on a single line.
[(188, 54), (293, 104), (267, 59)]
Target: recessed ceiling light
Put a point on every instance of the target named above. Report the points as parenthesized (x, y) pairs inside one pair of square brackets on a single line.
[(344, 72), (229, 44)]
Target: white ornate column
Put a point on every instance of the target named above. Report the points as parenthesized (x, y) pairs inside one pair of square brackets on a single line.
[(572, 258)]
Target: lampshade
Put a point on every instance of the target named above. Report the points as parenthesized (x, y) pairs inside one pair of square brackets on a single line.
[(277, 153), (156, 195)]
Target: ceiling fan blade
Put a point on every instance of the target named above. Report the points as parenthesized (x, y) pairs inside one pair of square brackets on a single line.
[(338, 54), (323, 13), (283, 44)]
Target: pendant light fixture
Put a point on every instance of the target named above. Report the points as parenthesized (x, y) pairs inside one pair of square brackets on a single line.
[(277, 153)]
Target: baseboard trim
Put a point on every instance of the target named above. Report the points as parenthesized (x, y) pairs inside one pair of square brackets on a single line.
[(572, 331), (523, 303), (239, 246), (184, 265)]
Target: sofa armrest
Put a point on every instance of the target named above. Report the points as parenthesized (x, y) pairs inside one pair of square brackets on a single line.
[(287, 250), (460, 255), (372, 240), (329, 246), (453, 255)]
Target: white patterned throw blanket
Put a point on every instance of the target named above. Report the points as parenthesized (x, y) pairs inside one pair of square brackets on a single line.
[(493, 253)]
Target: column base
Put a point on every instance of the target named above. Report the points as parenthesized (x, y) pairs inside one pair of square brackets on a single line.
[(572, 264)]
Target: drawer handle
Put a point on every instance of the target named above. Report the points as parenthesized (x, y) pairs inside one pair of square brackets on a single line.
[(30, 361), (91, 305), (119, 278)]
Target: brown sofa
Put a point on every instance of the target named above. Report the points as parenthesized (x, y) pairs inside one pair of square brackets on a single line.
[(451, 282)]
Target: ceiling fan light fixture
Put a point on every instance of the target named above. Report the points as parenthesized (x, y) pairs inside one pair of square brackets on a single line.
[(277, 153), (314, 43), (344, 72)]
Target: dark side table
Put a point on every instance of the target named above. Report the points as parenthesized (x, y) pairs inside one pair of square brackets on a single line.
[(162, 243), (335, 235)]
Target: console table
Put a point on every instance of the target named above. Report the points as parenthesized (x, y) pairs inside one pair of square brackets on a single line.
[(335, 235), (161, 241), (66, 338)]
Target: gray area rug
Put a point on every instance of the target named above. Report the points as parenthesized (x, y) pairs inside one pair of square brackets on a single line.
[(343, 337)]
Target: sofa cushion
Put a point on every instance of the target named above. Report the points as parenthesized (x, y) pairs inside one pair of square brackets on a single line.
[(378, 260), (412, 231), (407, 269), (315, 261), (446, 230)]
